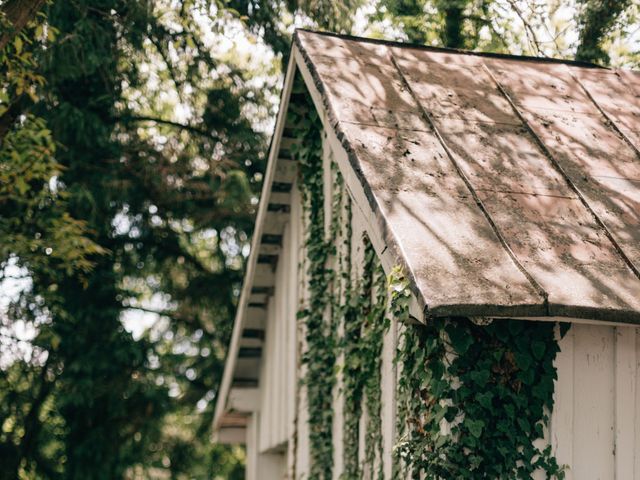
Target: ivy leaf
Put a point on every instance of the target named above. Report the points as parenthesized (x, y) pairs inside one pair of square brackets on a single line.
[(440, 414), (480, 377), (524, 425), (475, 427), (564, 328), (460, 338), (497, 355), (510, 411), (538, 349), (440, 441), (426, 378), (527, 376), (523, 361), (515, 327), (485, 400)]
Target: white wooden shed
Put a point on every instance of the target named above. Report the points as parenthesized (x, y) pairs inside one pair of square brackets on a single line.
[(503, 187)]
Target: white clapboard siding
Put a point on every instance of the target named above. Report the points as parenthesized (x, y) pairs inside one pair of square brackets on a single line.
[(261, 466), (595, 423), (388, 386), (342, 254), (301, 439), (357, 268), (278, 370), (292, 327)]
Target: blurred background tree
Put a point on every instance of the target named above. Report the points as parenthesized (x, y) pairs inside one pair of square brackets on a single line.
[(133, 140)]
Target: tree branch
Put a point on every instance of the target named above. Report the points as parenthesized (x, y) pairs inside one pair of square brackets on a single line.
[(18, 13), (170, 123), (597, 19), (8, 118), (528, 30)]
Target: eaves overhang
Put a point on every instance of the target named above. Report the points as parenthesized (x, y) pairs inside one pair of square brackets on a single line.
[(504, 186)]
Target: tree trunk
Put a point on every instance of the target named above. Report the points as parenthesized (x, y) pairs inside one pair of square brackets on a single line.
[(18, 13), (452, 11), (596, 20), (453, 23)]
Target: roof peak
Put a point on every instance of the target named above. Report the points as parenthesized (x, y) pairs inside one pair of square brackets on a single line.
[(458, 51)]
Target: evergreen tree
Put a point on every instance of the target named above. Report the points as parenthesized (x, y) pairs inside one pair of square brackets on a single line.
[(133, 141)]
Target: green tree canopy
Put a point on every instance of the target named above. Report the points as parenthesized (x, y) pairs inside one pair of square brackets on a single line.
[(133, 140)]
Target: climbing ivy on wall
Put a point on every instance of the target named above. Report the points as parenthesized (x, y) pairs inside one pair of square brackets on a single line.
[(320, 338), (472, 396), (336, 297), (365, 324)]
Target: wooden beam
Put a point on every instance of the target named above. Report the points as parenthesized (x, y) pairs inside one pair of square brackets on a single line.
[(258, 299), (250, 352), (280, 198), (286, 171), (280, 187), (264, 276), (269, 249), (278, 207), (268, 260), (231, 436), (246, 342), (256, 333), (271, 239), (244, 399), (274, 223), (244, 382), (287, 142)]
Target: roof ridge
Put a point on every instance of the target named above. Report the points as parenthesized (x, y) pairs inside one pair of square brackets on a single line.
[(459, 51)]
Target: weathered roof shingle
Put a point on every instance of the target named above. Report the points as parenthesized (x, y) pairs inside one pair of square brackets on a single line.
[(506, 185)]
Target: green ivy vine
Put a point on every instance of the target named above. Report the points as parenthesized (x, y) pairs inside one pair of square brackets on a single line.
[(473, 397), (319, 355), (336, 298), (366, 322)]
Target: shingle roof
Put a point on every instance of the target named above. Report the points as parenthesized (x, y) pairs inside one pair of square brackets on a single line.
[(506, 185)]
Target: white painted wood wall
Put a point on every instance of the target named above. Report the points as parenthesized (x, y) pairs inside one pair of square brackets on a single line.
[(277, 377), (269, 445), (595, 425)]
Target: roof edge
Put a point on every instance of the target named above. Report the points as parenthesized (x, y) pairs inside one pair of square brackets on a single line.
[(334, 125), (557, 311), (416, 46), (243, 301)]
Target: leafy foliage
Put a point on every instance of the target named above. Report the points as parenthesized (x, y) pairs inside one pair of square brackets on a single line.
[(320, 332), (598, 19), (365, 323), (474, 398), (34, 226), (274, 19), (112, 207)]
